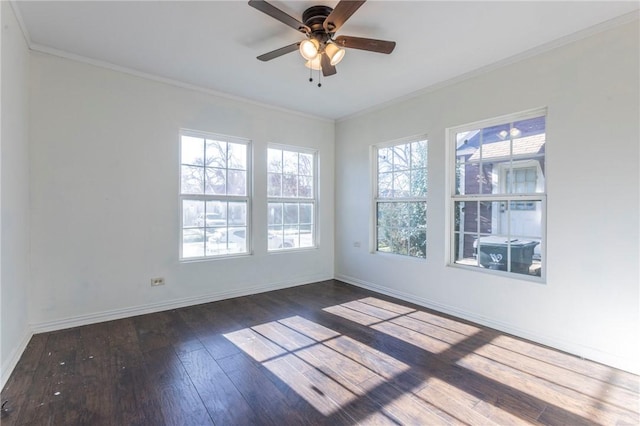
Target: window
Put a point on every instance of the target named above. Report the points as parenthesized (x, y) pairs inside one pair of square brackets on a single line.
[(498, 199), (401, 198), (291, 192), (214, 195)]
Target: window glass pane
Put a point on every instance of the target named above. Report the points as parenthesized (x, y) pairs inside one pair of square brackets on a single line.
[(464, 249), (399, 241), (216, 152), (306, 225), (419, 154), (237, 156), (401, 184), (418, 243), (290, 162), (418, 182), (401, 156), (193, 243), (493, 134), (417, 215), (305, 187), (216, 214), (525, 256), (383, 243), (386, 215), (274, 184), (385, 160), (192, 151), (237, 214), (236, 182), (469, 177), (305, 164), (215, 181), (291, 214), (529, 127), (275, 216), (401, 228), (192, 213), (466, 216), (525, 218), (385, 185), (192, 180), (289, 186), (490, 178), (274, 160), (493, 218)]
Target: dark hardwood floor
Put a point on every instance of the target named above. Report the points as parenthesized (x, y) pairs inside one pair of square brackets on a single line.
[(324, 353)]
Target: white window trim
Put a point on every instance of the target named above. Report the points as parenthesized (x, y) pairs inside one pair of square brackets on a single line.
[(314, 200), (452, 197), (205, 197), (373, 215)]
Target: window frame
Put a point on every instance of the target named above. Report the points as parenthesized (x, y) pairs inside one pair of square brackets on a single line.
[(313, 200), (513, 197), (247, 198), (376, 199)]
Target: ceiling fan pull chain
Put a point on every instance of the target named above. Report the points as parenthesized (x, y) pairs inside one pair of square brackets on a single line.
[(319, 78), (310, 75)]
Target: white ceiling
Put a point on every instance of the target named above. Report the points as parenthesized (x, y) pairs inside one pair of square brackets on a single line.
[(214, 44)]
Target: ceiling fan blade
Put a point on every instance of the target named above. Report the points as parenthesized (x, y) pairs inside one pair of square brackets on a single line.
[(279, 52), (327, 68), (276, 13), (340, 14), (372, 45)]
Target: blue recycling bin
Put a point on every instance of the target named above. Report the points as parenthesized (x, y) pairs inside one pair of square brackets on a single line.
[(492, 253)]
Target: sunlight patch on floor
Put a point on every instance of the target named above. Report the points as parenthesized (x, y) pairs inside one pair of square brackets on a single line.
[(325, 368)]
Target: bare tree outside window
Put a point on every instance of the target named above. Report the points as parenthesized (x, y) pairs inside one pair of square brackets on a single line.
[(214, 177), (291, 198)]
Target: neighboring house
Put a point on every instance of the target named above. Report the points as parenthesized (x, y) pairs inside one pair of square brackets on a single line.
[(500, 160)]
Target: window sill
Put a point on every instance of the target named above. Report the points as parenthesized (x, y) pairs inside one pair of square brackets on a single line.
[(504, 274)]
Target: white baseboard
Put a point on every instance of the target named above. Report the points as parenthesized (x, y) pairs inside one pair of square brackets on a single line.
[(14, 357), (577, 349), (114, 314)]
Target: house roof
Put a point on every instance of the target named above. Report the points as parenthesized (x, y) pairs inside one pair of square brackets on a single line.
[(526, 146)]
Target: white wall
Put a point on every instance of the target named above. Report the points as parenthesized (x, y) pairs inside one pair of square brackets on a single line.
[(14, 193), (105, 205), (590, 302)]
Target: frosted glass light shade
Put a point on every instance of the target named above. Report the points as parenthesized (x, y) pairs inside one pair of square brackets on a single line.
[(334, 53), (309, 49), (314, 63)]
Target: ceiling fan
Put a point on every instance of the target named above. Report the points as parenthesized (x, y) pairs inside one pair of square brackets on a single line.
[(320, 23)]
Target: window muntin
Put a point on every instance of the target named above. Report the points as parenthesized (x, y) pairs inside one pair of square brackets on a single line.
[(499, 195), (214, 195), (400, 200), (292, 199)]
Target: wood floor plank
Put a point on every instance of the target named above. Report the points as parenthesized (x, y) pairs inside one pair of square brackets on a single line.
[(259, 392), (224, 403), (171, 386), (322, 353)]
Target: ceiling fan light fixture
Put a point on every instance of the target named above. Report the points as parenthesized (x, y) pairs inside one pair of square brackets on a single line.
[(309, 49), (315, 63), (334, 53)]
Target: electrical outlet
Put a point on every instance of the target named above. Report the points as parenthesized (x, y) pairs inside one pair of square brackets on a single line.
[(157, 281), (356, 244)]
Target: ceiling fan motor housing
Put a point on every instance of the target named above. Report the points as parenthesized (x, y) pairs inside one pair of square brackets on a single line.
[(314, 18)]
